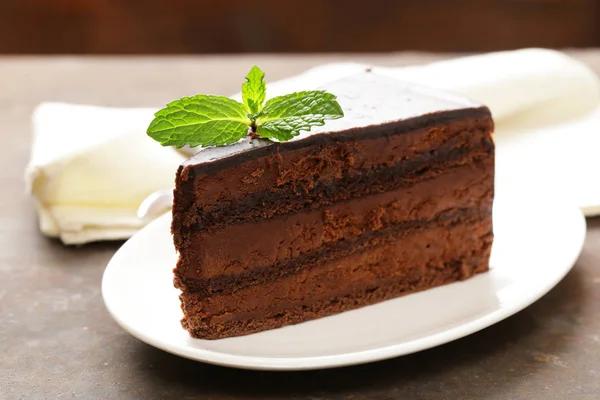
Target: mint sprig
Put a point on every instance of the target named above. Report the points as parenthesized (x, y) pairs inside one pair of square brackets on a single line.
[(207, 120)]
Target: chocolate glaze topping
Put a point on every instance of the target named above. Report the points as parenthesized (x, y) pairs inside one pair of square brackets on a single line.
[(372, 104)]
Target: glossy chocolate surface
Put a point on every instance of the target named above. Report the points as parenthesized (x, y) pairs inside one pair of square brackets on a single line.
[(372, 104)]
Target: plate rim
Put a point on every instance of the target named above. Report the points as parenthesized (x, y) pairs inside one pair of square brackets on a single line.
[(289, 363)]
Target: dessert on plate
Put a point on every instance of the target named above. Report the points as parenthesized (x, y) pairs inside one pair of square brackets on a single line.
[(393, 195)]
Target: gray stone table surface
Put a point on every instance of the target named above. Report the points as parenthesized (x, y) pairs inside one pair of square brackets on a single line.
[(58, 341)]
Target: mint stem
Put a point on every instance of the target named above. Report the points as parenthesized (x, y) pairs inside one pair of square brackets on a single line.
[(252, 132)]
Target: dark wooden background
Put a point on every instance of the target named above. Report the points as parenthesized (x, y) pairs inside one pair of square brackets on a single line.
[(233, 26)]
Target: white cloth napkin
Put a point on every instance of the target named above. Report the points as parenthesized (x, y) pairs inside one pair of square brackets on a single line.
[(88, 185)]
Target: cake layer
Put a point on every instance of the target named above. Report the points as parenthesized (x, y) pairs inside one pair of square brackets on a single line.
[(410, 261), (282, 182), (243, 248)]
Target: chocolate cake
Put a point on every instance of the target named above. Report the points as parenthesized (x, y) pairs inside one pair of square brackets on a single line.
[(394, 198)]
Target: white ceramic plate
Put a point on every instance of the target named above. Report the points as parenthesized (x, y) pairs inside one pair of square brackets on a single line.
[(537, 243)]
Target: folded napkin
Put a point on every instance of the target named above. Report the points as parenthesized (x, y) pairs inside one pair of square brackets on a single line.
[(88, 185)]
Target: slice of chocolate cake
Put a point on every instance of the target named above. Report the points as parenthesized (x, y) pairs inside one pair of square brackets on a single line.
[(394, 198)]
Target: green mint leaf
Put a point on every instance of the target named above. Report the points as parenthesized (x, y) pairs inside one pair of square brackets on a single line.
[(201, 120), (254, 90), (284, 117)]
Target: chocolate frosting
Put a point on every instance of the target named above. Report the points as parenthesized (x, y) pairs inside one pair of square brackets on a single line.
[(369, 101)]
